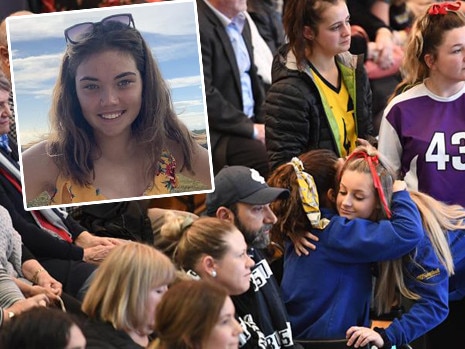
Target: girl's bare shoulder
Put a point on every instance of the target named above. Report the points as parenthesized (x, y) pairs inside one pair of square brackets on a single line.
[(39, 170)]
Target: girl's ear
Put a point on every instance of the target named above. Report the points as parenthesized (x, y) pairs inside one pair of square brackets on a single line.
[(331, 195), (429, 60), (189, 341), (308, 33)]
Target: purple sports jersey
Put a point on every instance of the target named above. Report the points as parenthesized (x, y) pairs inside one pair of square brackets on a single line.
[(423, 136)]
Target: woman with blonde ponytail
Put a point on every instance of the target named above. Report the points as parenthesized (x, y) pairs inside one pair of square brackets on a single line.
[(428, 277), (213, 249), (421, 132)]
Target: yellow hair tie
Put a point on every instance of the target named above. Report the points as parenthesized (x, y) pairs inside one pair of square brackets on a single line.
[(186, 223), (309, 195)]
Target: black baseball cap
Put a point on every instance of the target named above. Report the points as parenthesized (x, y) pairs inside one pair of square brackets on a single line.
[(241, 184)]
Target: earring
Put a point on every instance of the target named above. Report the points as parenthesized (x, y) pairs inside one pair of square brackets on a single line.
[(213, 274)]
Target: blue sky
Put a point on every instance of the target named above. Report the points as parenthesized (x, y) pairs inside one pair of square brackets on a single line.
[(37, 45)]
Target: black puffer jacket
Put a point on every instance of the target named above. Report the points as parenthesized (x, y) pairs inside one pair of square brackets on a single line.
[(295, 120)]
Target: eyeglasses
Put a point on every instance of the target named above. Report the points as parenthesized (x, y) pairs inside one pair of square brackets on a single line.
[(75, 33)]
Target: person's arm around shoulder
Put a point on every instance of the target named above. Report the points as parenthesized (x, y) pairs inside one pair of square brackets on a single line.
[(39, 171), (356, 239), (405, 216)]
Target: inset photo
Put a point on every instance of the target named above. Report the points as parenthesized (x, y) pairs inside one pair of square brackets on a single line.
[(110, 104)]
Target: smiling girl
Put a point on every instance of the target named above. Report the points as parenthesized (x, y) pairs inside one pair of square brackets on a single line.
[(329, 290), (114, 130)]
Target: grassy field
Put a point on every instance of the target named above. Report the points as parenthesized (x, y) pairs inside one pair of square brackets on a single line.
[(187, 184)]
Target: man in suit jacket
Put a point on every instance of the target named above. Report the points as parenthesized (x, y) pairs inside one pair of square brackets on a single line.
[(237, 136)]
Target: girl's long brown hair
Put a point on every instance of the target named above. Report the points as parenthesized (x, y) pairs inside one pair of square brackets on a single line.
[(72, 143)]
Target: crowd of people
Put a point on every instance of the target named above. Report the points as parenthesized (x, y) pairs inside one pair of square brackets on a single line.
[(335, 204)]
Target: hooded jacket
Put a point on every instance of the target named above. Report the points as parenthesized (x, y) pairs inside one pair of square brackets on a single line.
[(296, 117)]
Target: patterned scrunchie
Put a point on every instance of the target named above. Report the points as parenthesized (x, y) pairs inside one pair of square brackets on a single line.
[(186, 223), (309, 195)]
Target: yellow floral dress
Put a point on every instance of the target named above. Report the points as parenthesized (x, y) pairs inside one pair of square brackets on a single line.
[(164, 182)]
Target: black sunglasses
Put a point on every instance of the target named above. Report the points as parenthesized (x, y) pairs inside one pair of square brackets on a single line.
[(74, 33)]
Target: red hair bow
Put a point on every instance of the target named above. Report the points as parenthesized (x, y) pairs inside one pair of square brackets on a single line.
[(373, 161), (443, 7)]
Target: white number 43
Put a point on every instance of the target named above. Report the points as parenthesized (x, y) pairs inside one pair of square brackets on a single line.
[(437, 151)]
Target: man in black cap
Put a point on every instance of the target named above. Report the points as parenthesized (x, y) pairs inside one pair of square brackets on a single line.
[(243, 197)]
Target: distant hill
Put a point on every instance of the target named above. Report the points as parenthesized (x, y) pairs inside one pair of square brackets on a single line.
[(201, 137)]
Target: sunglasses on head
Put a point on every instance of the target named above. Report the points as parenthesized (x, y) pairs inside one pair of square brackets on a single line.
[(75, 33)]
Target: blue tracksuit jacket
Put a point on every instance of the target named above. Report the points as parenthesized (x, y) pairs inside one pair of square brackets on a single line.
[(330, 290)]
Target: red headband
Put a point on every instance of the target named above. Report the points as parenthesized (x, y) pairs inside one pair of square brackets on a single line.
[(373, 161), (443, 7)]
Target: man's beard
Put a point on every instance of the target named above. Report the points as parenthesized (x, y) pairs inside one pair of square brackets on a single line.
[(258, 239)]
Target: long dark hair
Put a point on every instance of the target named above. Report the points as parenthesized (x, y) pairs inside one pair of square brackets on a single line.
[(38, 328), (71, 141), (321, 164), (298, 14)]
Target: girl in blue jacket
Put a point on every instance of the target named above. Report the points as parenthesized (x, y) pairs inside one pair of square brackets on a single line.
[(328, 291), (422, 276), (428, 267)]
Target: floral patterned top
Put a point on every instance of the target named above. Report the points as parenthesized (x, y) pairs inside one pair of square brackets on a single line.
[(164, 182)]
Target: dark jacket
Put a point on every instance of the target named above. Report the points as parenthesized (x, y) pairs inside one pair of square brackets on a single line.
[(262, 311), (40, 243), (268, 22), (62, 259), (295, 118), (102, 335), (222, 80)]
